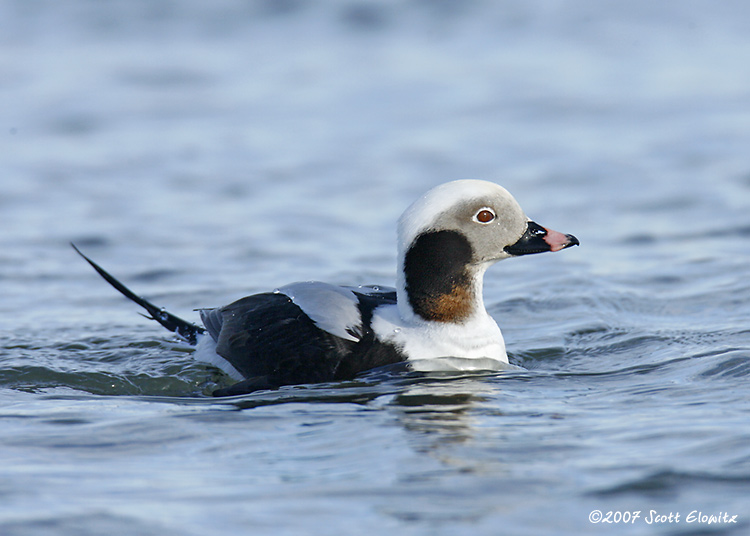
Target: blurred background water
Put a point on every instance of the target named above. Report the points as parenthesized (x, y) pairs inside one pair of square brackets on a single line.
[(202, 151)]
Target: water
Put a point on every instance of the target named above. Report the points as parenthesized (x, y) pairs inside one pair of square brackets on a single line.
[(202, 152)]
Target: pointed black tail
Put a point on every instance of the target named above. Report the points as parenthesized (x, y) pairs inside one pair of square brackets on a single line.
[(173, 323)]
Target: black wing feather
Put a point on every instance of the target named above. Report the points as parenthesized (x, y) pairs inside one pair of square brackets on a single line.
[(369, 353), (267, 335)]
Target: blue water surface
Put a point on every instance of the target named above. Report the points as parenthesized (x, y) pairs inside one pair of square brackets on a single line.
[(202, 151)]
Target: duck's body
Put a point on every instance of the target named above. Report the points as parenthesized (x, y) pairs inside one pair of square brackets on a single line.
[(315, 332)]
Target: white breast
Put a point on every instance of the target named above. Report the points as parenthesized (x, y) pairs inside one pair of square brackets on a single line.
[(478, 343)]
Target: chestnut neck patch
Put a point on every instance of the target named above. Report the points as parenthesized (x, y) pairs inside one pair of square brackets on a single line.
[(438, 283)]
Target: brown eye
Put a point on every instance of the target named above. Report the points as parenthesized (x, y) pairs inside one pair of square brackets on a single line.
[(484, 216)]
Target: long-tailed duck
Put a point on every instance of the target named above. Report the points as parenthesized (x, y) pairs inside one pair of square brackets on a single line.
[(434, 319)]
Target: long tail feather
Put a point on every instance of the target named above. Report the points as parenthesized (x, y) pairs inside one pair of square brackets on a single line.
[(183, 328)]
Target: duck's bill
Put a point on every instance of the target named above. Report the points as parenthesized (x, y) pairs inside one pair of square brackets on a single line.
[(538, 239)]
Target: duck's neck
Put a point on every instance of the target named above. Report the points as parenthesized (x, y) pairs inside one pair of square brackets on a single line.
[(438, 281)]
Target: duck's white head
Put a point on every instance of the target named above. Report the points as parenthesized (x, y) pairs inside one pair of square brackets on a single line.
[(448, 238)]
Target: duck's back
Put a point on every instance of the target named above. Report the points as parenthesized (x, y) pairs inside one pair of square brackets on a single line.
[(302, 333)]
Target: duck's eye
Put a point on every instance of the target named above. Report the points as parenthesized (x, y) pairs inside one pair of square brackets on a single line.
[(486, 215)]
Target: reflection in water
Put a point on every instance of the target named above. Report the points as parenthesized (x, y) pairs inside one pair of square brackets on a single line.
[(442, 410), (436, 409)]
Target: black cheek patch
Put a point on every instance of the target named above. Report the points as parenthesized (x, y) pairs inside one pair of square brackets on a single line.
[(437, 281)]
